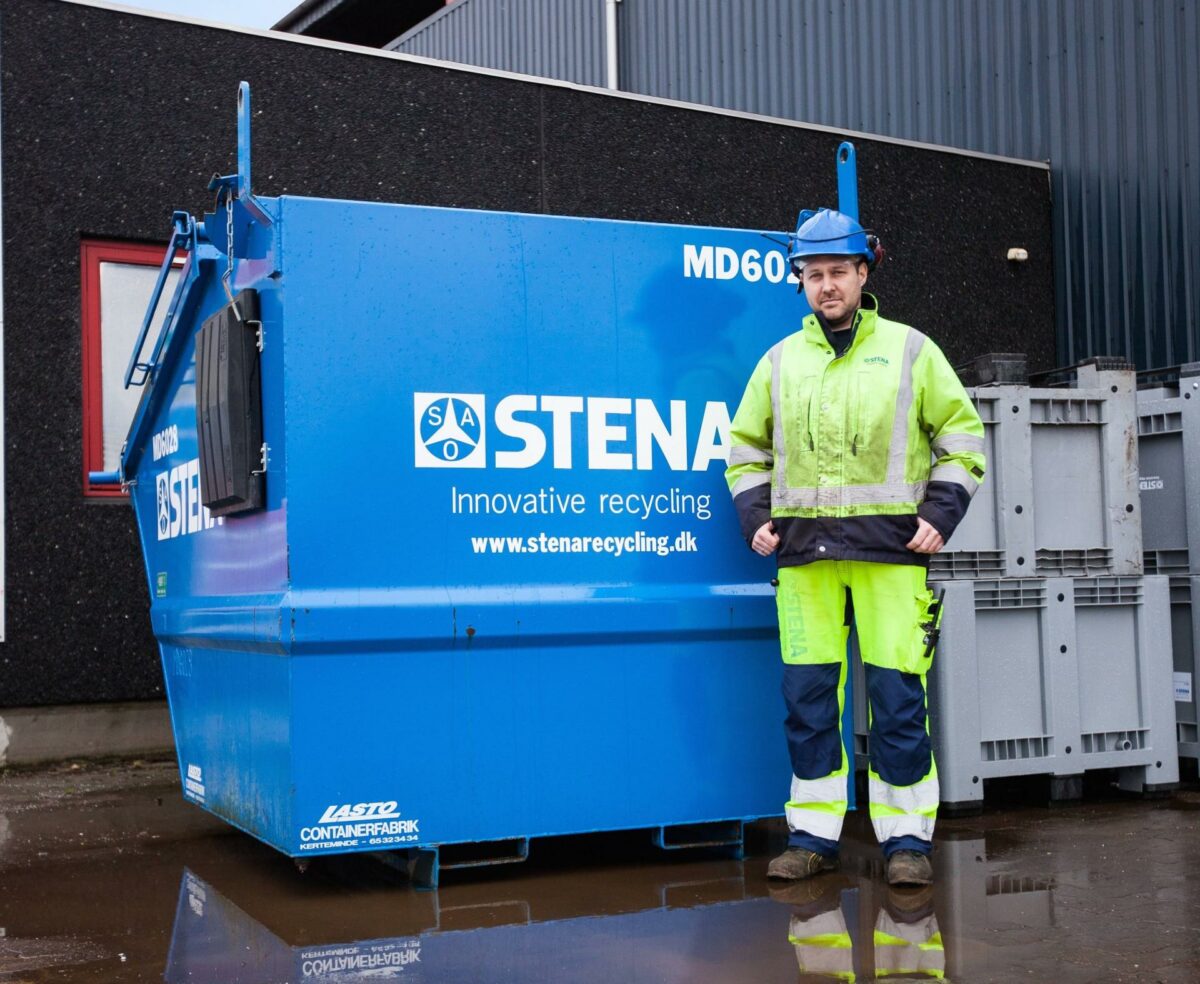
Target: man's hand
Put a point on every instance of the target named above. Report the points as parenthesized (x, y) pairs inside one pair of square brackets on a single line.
[(927, 541), (766, 540)]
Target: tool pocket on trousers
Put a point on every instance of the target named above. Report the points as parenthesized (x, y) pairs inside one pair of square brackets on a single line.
[(919, 655), (916, 653)]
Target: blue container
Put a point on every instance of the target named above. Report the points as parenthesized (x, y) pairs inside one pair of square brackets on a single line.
[(496, 589)]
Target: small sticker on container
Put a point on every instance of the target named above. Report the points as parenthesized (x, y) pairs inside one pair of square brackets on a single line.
[(160, 584), (193, 782), (1183, 687)]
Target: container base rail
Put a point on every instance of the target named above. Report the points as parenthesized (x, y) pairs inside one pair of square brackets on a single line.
[(424, 865)]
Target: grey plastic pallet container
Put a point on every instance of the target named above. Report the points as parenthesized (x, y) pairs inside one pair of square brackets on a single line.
[(1061, 495), (1055, 676), (1086, 511), (995, 538), (1185, 645), (1169, 480)]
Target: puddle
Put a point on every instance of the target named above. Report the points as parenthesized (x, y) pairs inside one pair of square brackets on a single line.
[(110, 876)]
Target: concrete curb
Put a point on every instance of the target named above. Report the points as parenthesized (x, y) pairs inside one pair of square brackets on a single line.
[(136, 729)]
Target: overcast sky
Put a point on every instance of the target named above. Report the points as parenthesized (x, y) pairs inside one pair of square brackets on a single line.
[(247, 13)]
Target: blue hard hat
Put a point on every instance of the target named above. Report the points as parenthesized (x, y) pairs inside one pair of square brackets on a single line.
[(828, 233)]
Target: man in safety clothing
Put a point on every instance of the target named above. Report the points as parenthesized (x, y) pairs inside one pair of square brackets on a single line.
[(830, 468)]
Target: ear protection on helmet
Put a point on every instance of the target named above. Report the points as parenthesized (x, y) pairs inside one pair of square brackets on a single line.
[(876, 247)]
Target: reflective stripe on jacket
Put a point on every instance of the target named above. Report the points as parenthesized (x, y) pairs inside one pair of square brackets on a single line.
[(840, 451)]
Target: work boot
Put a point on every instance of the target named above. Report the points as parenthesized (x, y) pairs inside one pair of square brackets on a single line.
[(799, 862), (909, 868)]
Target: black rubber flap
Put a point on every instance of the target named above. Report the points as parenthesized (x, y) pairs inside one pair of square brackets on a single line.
[(229, 409)]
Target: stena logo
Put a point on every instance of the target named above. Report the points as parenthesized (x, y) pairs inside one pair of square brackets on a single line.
[(177, 495), (449, 430), (164, 505), (360, 811), (622, 434), (724, 263)]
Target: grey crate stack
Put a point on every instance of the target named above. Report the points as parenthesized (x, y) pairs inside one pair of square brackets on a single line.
[(1055, 654), (1168, 409)]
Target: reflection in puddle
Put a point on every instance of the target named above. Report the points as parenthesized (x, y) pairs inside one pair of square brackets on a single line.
[(217, 941), (832, 941), (846, 926)]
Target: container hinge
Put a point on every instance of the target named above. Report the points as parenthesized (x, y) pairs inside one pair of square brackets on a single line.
[(264, 455)]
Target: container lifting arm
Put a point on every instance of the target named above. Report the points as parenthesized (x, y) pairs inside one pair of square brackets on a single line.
[(238, 186), (847, 177)]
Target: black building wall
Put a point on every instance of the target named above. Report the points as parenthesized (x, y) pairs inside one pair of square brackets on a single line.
[(1103, 89), (111, 120)]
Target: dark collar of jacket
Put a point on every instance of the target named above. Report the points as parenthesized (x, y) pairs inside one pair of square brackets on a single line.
[(864, 322)]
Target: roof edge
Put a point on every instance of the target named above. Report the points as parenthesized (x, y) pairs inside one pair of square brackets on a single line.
[(433, 18), (300, 17), (556, 83)]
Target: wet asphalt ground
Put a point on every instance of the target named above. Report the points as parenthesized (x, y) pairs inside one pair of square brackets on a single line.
[(106, 874)]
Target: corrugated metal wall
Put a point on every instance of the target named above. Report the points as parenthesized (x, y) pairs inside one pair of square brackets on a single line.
[(557, 39), (1107, 90)]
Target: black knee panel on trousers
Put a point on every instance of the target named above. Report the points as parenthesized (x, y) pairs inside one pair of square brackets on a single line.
[(900, 749), (813, 733)]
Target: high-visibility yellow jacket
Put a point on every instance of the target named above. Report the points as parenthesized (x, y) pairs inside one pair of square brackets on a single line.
[(844, 453)]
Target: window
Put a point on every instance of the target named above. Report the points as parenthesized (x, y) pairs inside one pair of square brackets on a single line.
[(117, 280)]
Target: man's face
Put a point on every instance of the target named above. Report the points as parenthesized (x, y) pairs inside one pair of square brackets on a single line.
[(833, 285)]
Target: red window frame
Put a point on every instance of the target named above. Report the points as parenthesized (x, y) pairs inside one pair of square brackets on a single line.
[(93, 252)]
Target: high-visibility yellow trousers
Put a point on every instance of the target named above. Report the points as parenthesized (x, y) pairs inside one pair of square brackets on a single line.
[(889, 605)]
